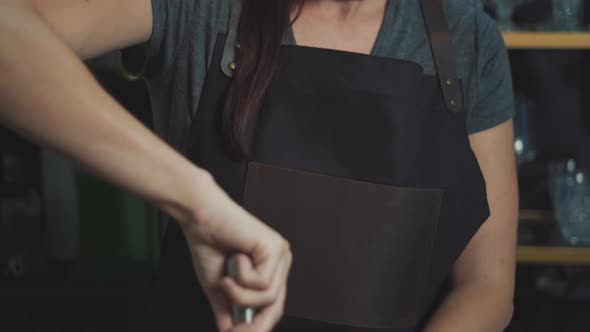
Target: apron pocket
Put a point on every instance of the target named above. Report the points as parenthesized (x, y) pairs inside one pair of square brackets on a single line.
[(361, 251)]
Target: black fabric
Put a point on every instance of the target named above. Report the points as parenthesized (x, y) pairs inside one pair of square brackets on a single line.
[(358, 132)]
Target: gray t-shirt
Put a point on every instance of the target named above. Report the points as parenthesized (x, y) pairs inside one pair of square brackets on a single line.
[(174, 61)]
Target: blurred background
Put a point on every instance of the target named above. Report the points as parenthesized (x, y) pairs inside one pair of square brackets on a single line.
[(77, 254)]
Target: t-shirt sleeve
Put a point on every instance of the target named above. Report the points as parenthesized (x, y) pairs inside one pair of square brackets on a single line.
[(494, 96), (173, 22)]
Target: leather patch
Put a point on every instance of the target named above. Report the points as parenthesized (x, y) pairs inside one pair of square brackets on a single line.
[(361, 251)]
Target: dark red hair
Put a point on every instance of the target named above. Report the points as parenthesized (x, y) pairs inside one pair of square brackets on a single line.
[(263, 24)]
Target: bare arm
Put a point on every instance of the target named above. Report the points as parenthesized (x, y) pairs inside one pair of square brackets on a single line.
[(94, 27), (49, 96), (483, 277)]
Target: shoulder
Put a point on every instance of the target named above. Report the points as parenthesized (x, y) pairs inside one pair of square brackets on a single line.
[(457, 10), (177, 20), (216, 12), (483, 62), (478, 42), (183, 26), (406, 36), (200, 13), (469, 23), (482, 59)]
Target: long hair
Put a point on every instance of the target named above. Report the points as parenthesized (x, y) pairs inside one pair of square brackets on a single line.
[(263, 24)]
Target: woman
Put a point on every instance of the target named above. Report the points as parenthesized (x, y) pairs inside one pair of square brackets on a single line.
[(375, 136)]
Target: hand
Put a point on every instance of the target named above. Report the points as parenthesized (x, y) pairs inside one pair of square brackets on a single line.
[(220, 228)]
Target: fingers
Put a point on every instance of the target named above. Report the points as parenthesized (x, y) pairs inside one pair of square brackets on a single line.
[(258, 274), (221, 310), (251, 297), (268, 257), (266, 319), (269, 301), (250, 277), (247, 297)]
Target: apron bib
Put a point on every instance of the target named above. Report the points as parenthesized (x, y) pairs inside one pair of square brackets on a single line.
[(363, 163)]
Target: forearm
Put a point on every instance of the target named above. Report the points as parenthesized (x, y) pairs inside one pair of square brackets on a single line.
[(483, 276), (481, 307), (48, 95), (483, 279)]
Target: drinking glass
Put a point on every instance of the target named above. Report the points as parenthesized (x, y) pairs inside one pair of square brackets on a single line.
[(566, 15), (570, 193)]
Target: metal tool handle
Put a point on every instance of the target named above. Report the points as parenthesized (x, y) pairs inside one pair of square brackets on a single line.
[(239, 314)]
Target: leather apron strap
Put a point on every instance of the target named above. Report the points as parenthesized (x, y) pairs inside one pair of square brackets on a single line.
[(443, 53)]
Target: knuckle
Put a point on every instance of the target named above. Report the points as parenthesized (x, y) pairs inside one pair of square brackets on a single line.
[(270, 322), (281, 310), (276, 289), (280, 244), (266, 280), (269, 297), (276, 292), (286, 245), (277, 316), (288, 252)]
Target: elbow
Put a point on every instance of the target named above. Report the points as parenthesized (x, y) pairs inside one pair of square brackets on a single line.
[(508, 315), (496, 299), (505, 305), (504, 309)]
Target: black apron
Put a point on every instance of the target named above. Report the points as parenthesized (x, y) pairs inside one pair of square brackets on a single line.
[(363, 163)]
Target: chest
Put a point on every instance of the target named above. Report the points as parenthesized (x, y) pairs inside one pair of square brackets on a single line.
[(353, 30)]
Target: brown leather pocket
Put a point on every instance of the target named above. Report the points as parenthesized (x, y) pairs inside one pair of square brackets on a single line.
[(361, 251)]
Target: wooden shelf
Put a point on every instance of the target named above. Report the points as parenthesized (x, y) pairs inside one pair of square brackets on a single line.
[(547, 255), (547, 40), (538, 216), (553, 255)]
